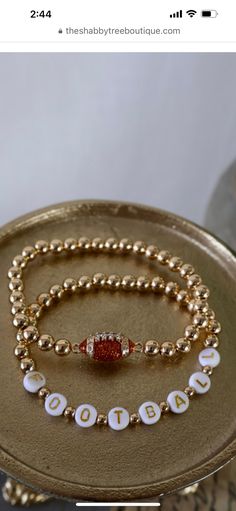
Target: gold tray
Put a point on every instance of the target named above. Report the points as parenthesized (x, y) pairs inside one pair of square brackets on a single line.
[(139, 462)]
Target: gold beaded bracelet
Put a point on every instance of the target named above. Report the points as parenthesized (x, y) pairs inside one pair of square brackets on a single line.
[(108, 345), (104, 346)]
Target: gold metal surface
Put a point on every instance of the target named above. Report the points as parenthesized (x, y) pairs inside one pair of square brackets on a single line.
[(140, 462)]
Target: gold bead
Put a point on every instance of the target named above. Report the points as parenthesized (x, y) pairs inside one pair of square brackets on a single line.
[(27, 364), (163, 257), (97, 244), (70, 285), (30, 334), (15, 272), (164, 407), (18, 308), (171, 289), (183, 345), (85, 283), (186, 270), (210, 314), (62, 347), (45, 342), (84, 243), (200, 306), (193, 281), (44, 300), (134, 418), (151, 252), (19, 261), (200, 320), (69, 412), (20, 321), (167, 349), (42, 246), (175, 263), (75, 348), (56, 291), (70, 244), (151, 348), (207, 370), (138, 347), (99, 279), (182, 297), (191, 306), (189, 391), (35, 310), (191, 332), (211, 341), (158, 285), (214, 327), (201, 292), (17, 296), (102, 419), (56, 246), (139, 247), (114, 281), (128, 282), (125, 245), (32, 320), (143, 283), (16, 285), (44, 392), (29, 252), (19, 336), (21, 351), (111, 244)]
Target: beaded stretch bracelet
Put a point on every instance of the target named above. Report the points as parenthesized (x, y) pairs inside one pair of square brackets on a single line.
[(118, 418), (105, 346), (25, 319)]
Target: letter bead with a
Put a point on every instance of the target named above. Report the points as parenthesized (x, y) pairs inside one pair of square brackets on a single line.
[(178, 401)]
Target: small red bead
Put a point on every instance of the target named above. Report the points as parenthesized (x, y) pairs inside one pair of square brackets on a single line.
[(82, 346), (131, 346)]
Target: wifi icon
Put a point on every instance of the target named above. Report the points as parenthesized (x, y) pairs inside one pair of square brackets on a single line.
[(191, 13)]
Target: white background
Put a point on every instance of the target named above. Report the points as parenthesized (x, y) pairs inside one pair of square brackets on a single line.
[(153, 128)]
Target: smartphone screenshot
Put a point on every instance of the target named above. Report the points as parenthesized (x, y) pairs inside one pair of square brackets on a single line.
[(117, 255)]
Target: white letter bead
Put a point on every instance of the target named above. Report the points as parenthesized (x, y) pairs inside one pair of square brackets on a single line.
[(85, 415), (33, 381), (209, 357), (178, 401), (55, 404), (118, 418), (149, 412), (200, 382)]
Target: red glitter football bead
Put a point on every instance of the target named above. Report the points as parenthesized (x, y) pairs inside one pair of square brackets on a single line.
[(107, 346)]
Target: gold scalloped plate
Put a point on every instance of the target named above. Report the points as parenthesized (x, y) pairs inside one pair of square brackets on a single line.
[(141, 462)]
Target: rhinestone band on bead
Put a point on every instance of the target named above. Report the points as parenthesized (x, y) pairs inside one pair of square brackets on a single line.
[(194, 298)]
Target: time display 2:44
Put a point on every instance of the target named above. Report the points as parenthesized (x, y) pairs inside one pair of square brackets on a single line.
[(40, 14)]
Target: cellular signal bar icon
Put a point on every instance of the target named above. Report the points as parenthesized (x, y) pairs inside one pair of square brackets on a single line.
[(178, 14)]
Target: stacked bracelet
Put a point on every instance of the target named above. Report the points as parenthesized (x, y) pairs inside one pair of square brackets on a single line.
[(110, 346)]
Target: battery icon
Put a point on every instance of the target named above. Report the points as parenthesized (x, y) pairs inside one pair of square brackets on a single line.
[(209, 14)]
